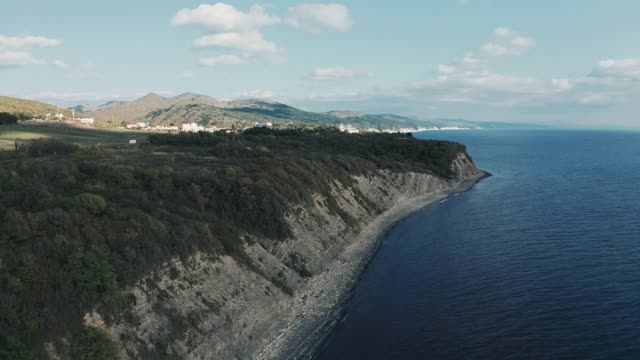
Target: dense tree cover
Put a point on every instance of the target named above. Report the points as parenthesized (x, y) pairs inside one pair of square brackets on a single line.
[(8, 119), (78, 226)]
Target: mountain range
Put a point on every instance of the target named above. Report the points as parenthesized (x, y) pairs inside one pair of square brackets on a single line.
[(209, 111)]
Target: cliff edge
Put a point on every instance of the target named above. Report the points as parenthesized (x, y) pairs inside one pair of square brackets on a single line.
[(284, 304), (198, 245)]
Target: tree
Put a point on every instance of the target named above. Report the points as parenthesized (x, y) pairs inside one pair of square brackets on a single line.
[(92, 344), (7, 119), (90, 278), (12, 349), (94, 204)]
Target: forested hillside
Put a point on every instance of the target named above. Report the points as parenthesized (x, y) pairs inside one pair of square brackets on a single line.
[(78, 225)]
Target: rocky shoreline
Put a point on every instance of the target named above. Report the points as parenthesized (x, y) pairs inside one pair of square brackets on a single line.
[(316, 307)]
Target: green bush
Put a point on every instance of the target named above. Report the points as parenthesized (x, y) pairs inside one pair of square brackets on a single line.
[(94, 204), (92, 344), (90, 278), (8, 119), (41, 147), (12, 349)]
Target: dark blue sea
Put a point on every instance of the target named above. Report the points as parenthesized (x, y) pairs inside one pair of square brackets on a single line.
[(539, 261)]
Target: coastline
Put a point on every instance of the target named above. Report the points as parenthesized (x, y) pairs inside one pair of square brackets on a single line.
[(317, 307)]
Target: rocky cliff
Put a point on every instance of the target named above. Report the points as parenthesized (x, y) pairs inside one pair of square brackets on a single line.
[(270, 304)]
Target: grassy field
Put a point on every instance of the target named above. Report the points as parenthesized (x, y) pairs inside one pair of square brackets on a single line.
[(76, 135)]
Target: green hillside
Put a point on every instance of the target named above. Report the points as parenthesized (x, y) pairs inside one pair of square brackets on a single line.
[(248, 112), (28, 108)]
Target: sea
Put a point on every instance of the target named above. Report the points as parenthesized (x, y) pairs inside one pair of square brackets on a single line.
[(539, 261)]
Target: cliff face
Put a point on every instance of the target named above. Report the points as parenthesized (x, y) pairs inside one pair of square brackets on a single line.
[(265, 307)]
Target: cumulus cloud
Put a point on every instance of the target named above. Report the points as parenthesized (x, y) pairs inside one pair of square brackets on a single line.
[(27, 42), (445, 69), (241, 31), (225, 17), (231, 29), (248, 43), (222, 60), (472, 82), (16, 50), (337, 73), (318, 17), (624, 68), (507, 42), (11, 58), (503, 32)]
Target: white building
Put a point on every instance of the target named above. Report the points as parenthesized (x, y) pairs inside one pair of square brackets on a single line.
[(192, 127), (87, 121), (264, 125), (348, 129)]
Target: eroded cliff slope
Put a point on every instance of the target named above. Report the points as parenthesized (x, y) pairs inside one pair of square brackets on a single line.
[(201, 246), (217, 308)]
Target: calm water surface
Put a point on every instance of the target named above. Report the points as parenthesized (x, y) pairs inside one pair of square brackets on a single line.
[(540, 261)]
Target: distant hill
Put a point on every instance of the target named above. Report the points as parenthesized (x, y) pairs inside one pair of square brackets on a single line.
[(200, 99), (28, 108), (243, 113), (116, 112), (209, 111)]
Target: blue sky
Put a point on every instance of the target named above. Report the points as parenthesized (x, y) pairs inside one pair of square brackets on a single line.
[(570, 62)]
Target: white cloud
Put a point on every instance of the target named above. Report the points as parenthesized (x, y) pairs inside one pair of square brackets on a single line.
[(16, 50), (506, 42), (561, 84), (240, 32), (255, 94), (503, 32), (337, 73), (317, 17), (249, 43), (234, 30), (445, 69), (13, 58), (222, 60), (595, 99), (27, 42), (470, 60), (624, 68), (226, 18), (59, 63)]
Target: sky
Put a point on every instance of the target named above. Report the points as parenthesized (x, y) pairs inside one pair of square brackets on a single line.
[(571, 63)]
